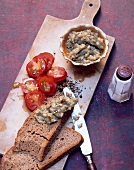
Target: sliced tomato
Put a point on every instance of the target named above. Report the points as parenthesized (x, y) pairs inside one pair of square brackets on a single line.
[(49, 59), (58, 73), (36, 67), (29, 84), (34, 99), (47, 84), (44, 98)]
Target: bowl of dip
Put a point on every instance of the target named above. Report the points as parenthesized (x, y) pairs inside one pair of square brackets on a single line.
[(84, 45)]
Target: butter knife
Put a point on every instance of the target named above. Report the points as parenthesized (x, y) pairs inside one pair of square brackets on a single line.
[(80, 126)]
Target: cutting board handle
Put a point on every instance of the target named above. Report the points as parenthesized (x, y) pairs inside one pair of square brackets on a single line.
[(88, 11)]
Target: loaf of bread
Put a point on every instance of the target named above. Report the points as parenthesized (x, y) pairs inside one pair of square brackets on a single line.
[(67, 140)]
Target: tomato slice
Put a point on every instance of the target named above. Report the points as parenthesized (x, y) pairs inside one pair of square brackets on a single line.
[(36, 67), (47, 84), (34, 99), (49, 59), (44, 98), (58, 73), (29, 84)]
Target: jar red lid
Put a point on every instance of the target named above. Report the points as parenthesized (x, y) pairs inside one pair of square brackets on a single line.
[(124, 72)]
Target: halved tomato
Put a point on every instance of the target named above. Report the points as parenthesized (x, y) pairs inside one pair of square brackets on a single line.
[(29, 84), (58, 73), (49, 59), (34, 99), (47, 84), (36, 67)]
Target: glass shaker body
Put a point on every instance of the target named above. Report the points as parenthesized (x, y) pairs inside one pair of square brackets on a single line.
[(121, 85)]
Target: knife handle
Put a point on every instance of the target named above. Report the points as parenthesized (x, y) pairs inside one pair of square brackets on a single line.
[(91, 165)]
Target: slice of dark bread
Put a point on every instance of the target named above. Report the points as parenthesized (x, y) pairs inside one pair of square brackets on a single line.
[(36, 138), (67, 140), (18, 161)]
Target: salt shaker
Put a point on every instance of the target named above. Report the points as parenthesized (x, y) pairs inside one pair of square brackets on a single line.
[(121, 85)]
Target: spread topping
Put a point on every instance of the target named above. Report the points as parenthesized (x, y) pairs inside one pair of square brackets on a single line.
[(55, 109), (84, 46)]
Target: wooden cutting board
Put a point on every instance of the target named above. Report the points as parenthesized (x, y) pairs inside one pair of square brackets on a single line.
[(14, 112)]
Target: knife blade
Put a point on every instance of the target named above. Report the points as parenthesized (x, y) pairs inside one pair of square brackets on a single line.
[(80, 126)]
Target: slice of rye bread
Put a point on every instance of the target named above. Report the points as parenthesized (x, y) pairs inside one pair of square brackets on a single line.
[(65, 143), (18, 161), (36, 138), (67, 140)]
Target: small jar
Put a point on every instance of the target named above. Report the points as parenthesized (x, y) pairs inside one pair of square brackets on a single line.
[(121, 85)]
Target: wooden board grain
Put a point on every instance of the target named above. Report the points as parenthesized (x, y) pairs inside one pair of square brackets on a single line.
[(14, 112)]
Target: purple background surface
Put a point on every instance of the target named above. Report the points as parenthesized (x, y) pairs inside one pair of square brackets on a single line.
[(111, 125)]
